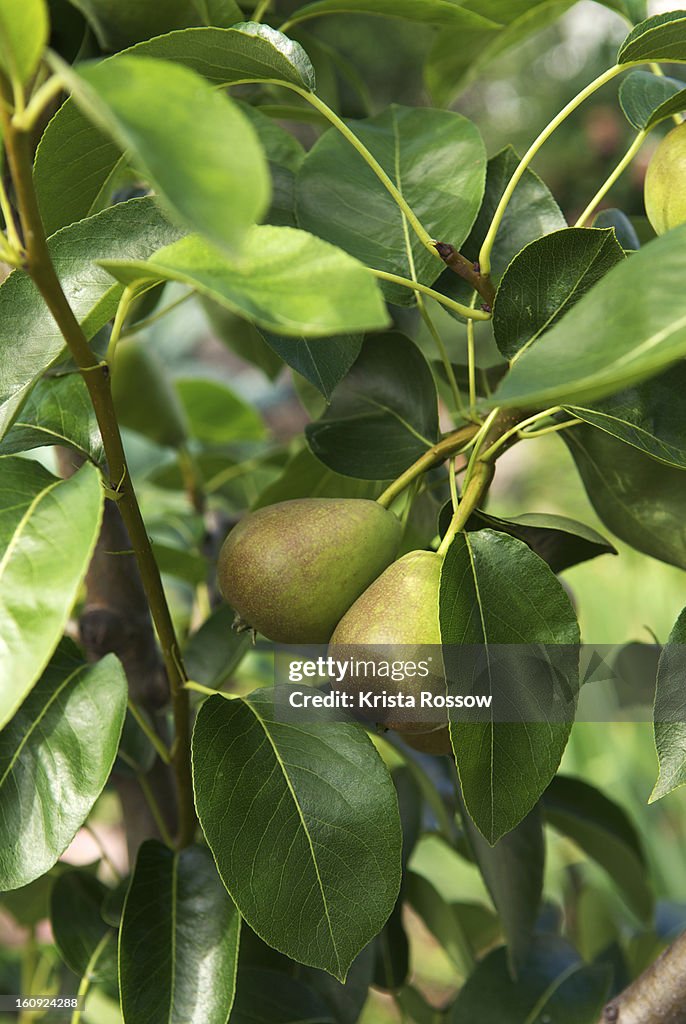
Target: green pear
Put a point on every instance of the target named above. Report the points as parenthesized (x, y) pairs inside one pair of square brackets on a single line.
[(143, 395), (292, 570), (396, 619), (665, 182)]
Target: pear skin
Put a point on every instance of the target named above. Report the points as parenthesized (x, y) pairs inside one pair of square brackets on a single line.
[(395, 619), (665, 182), (292, 570)]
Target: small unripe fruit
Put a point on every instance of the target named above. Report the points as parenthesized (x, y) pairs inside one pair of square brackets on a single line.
[(665, 183), (291, 570), (397, 619)]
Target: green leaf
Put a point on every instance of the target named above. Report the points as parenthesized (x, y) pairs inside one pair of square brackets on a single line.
[(432, 12), (648, 416), (324, 362), (284, 155), (661, 38), (191, 142), (304, 476), (531, 213), (284, 280), (623, 228), (30, 904), (29, 337), (602, 829), (435, 158), (441, 919), (625, 330), (314, 825), (55, 758), (242, 338), (382, 416), (215, 650), (553, 985), (559, 541), (670, 728), (119, 23), (48, 530), (545, 280), (58, 411), (24, 31), (86, 943), (496, 591), (180, 928), (270, 997), (638, 498), (513, 873), (461, 54), (144, 396), (215, 414), (76, 163), (648, 99)]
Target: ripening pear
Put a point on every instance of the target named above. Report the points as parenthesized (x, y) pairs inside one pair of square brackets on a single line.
[(665, 183), (396, 618), (291, 570)]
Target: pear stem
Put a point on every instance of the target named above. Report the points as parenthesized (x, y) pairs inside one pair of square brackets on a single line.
[(477, 485), (450, 445)]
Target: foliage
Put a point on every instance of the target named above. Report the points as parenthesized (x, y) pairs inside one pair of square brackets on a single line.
[(432, 309)]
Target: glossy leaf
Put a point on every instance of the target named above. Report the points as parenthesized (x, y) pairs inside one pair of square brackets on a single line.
[(284, 155), (661, 38), (531, 213), (284, 280), (24, 31), (29, 337), (623, 228), (382, 416), (181, 928), (602, 829), (553, 983), (545, 280), (559, 541), (76, 163), (119, 23), (87, 944), (285, 834), (617, 335), (648, 99), (215, 650), (670, 727), (215, 414), (460, 55), (496, 591), (513, 873), (58, 411), (48, 530), (639, 499), (322, 361), (190, 142), (432, 12), (435, 158), (270, 997), (55, 758), (647, 416), (304, 476)]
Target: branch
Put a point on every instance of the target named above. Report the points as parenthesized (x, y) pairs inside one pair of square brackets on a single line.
[(658, 996), (468, 271)]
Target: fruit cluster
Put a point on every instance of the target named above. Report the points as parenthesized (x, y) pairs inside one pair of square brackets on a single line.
[(323, 570)]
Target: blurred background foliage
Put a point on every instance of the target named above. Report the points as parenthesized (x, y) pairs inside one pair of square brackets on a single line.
[(620, 599)]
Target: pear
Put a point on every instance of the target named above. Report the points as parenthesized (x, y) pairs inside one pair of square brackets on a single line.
[(292, 570), (665, 182), (396, 619)]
